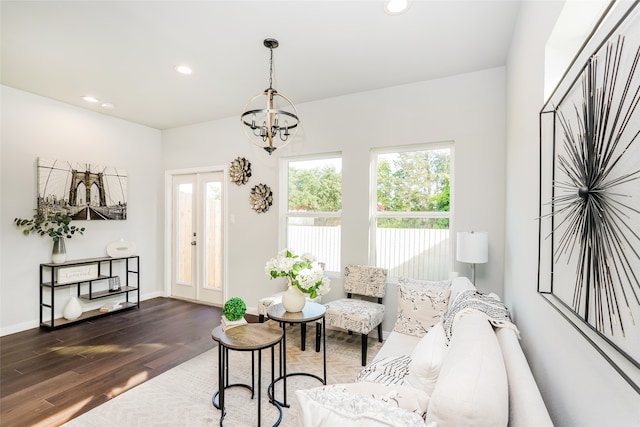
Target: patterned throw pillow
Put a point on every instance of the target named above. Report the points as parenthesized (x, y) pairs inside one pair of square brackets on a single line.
[(421, 304)]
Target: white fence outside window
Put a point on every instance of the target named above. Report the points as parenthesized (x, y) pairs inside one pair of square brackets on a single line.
[(416, 253)]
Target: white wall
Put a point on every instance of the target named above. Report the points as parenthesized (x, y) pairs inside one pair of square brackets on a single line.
[(467, 109), (32, 127), (579, 387)]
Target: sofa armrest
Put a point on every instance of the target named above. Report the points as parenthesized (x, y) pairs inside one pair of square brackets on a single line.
[(526, 407)]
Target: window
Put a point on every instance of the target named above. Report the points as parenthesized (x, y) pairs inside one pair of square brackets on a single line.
[(312, 214), (411, 212)]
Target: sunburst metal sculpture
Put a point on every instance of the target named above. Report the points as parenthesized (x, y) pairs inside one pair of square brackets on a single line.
[(595, 215)]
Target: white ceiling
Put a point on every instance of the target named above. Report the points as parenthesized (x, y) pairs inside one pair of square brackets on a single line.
[(124, 52)]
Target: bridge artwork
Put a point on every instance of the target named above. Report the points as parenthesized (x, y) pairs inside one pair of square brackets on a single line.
[(82, 190)]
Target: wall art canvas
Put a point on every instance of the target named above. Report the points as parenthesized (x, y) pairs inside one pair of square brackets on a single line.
[(84, 191), (589, 266)]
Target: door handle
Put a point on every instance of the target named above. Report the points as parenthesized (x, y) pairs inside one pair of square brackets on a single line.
[(193, 243)]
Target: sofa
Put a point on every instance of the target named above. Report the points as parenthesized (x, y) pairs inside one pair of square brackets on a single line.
[(453, 359)]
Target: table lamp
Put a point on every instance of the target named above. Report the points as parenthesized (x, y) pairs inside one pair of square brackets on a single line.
[(473, 248)]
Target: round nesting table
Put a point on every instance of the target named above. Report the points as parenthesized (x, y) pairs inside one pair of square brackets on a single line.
[(311, 312), (250, 337)]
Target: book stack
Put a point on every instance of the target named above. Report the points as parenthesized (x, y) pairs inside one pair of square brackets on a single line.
[(228, 324), (110, 307)]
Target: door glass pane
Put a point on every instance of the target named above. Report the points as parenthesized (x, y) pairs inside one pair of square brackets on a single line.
[(184, 232), (213, 235)]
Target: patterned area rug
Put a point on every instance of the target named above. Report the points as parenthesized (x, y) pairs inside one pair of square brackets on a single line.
[(182, 395)]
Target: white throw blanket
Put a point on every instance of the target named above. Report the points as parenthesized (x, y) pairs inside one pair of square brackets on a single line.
[(470, 299)]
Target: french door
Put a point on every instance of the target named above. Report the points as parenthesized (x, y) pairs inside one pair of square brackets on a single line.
[(197, 237)]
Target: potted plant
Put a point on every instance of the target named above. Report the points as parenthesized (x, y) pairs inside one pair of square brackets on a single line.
[(233, 313), (304, 276), (57, 228)]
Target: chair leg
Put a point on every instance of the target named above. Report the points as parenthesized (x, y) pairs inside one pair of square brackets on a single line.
[(261, 318), (380, 332), (303, 336), (364, 349), (318, 336)]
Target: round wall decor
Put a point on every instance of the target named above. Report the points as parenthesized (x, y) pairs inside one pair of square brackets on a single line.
[(261, 198), (240, 171)]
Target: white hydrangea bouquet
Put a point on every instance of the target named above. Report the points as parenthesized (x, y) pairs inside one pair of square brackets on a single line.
[(302, 271)]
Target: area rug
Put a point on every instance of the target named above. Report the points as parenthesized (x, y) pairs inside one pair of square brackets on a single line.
[(182, 395)]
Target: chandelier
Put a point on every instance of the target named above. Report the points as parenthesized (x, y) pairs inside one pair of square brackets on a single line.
[(270, 127)]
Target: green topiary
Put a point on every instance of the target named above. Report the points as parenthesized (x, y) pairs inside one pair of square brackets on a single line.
[(234, 309)]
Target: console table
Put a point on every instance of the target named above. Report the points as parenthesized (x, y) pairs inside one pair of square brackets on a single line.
[(90, 276)]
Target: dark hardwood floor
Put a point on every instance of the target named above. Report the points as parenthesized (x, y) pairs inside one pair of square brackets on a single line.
[(48, 378)]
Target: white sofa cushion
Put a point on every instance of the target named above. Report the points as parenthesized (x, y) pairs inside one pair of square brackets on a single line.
[(397, 344), (327, 406), (421, 304), (426, 360), (472, 386)]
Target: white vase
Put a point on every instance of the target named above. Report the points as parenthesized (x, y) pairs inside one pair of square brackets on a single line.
[(72, 310), (293, 300), (59, 252)]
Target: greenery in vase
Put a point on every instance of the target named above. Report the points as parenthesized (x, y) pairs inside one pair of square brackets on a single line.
[(57, 227), (234, 309), (301, 271)]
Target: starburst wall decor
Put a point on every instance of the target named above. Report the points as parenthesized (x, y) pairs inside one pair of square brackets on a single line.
[(589, 265)]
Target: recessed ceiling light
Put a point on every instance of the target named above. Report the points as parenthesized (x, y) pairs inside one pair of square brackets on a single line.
[(108, 106), (183, 69), (396, 7), (91, 99)]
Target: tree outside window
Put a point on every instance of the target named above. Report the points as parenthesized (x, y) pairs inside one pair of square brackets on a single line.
[(314, 206), (411, 217)]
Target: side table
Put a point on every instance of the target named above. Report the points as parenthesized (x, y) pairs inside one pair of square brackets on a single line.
[(250, 337), (310, 312)]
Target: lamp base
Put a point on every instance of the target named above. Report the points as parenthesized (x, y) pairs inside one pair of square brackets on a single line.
[(473, 274)]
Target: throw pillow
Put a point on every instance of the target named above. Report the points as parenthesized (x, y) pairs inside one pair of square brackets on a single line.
[(389, 370), (401, 396), (330, 406), (421, 304), (427, 358)]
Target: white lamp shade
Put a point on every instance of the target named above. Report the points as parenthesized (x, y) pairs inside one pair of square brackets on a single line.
[(473, 247)]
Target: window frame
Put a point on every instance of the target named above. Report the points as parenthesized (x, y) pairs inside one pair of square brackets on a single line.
[(283, 207), (374, 214)]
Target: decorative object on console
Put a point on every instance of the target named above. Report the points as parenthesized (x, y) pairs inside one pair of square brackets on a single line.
[(72, 310), (302, 271), (473, 248), (76, 274), (121, 248), (57, 227), (114, 284), (108, 308), (589, 194), (59, 251), (233, 313), (240, 171), (261, 198), (277, 121)]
